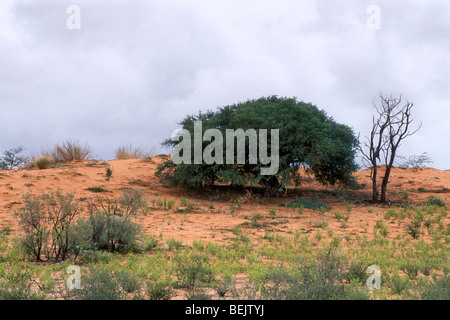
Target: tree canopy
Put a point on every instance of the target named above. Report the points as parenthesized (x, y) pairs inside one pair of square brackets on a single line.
[(307, 137)]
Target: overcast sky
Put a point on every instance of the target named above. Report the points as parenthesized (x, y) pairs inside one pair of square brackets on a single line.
[(130, 73)]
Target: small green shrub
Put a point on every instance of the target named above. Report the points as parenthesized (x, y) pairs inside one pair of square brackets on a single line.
[(410, 268), (159, 290), (438, 290), (100, 284), (197, 294), (128, 282), (112, 221), (399, 285), (338, 215), (414, 227), (96, 189), (17, 284), (109, 172), (405, 195), (391, 212), (46, 221), (192, 271), (113, 232), (435, 201), (321, 280), (356, 272), (304, 204)]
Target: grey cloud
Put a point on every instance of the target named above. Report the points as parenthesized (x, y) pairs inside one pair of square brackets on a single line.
[(133, 71)]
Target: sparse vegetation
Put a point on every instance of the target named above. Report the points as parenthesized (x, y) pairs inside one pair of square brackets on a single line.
[(310, 246), (130, 152), (70, 151), (47, 221), (43, 162), (435, 201), (109, 172), (416, 161)]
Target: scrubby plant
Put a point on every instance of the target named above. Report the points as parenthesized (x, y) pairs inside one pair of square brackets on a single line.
[(17, 284), (320, 280), (405, 195), (46, 221), (103, 284), (356, 271), (435, 201), (112, 222), (338, 215), (159, 290), (70, 151), (439, 289), (410, 268), (109, 172), (302, 204), (43, 162), (130, 152), (197, 294), (96, 189), (414, 227), (193, 271), (399, 284), (416, 161)]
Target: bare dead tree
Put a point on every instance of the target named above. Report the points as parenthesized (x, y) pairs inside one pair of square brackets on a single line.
[(390, 127)]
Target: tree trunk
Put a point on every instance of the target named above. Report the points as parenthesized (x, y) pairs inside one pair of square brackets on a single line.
[(385, 180), (374, 184)]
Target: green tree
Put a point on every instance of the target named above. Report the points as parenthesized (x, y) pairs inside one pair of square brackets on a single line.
[(307, 137), (12, 159)]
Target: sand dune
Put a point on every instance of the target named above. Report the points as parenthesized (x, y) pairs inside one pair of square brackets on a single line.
[(216, 211)]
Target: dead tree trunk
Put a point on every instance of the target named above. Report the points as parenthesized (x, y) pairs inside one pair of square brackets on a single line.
[(390, 128)]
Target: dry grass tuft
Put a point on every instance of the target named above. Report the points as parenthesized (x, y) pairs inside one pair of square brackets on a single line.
[(43, 162)]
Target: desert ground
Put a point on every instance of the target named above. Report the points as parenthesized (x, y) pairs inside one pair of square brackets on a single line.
[(216, 214), (212, 207)]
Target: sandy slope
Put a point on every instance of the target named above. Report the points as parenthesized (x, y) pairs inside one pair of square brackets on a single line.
[(212, 218)]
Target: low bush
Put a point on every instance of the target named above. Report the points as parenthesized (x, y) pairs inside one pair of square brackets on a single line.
[(104, 284), (298, 203), (435, 201), (321, 280), (46, 221), (399, 285), (193, 271), (70, 151), (130, 152), (17, 284), (43, 162), (414, 228), (112, 222), (159, 290), (438, 290)]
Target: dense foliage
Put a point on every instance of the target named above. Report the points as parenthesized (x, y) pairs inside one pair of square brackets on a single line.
[(307, 137)]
